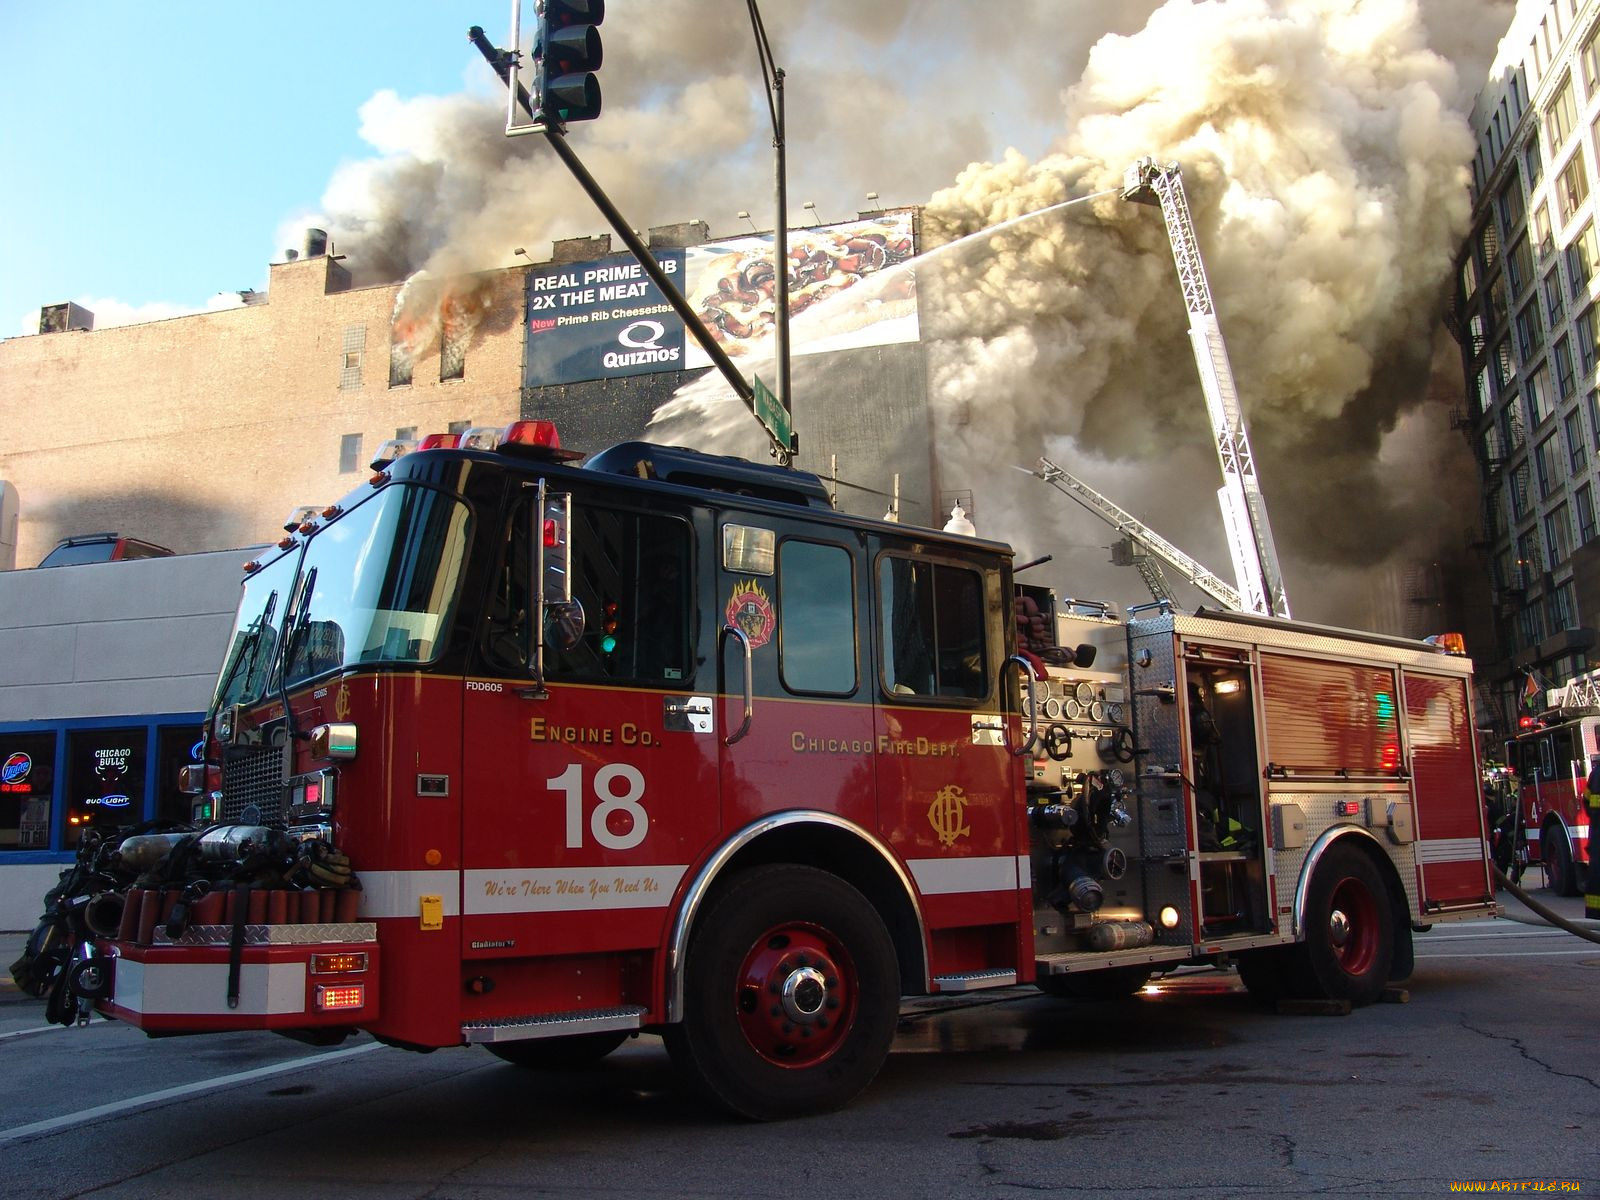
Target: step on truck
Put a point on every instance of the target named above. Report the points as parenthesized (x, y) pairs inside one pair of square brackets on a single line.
[(515, 752)]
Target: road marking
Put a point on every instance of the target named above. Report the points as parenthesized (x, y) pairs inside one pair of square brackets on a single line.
[(177, 1093), (1519, 954)]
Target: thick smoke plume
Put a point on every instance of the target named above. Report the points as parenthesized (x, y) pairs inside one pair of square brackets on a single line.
[(1327, 173), (1324, 154)]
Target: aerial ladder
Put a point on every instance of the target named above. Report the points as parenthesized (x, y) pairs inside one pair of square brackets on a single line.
[(1244, 511), (1141, 535)]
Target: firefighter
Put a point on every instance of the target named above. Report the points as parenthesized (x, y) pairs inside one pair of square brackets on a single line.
[(1591, 898)]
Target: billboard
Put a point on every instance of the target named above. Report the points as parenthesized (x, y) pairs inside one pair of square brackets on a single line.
[(602, 319), (849, 285)]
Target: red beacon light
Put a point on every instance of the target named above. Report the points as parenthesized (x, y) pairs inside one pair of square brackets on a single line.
[(439, 441), (537, 439), (1527, 723)]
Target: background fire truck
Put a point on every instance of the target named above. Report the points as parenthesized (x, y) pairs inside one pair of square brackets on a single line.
[(664, 743), (1551, 757)]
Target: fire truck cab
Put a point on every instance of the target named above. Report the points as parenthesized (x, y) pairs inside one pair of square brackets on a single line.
[(1551, 759), (663, 742)]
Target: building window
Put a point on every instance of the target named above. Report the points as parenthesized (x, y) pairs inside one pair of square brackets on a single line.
[(1512, 421), (1577, 454), (1557, 535), (1498, 308), (1560, 115), (1590, 56), (459, 426), (105, 779), (355, 341), (1469, 277), (406, 433), (1481, 398), (1586, 529), (1529, 628), (1581, 257), (1529, 561), (1585, 327), (452, 352), (349, 453), (1554, 302), (400, 365), (26, 789), (1520, 506), (1543, 242), (1592, 402), (1572, 189), (1566, 382), (1531, 162), (1519, 265), (1541, 403), (1511, 204), (1546, 463), (1495, 516), (1530, 333), (1559, 609)]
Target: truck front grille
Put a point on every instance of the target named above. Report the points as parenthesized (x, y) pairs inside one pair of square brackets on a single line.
[(253, 791)]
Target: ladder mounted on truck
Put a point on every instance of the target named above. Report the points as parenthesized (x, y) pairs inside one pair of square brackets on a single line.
[(1244, 511), (1141, 534)]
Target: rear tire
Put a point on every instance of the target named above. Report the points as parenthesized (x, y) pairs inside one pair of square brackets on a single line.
[(559, 1053), (1349, 932), (1559, 876), (791, 995), (1113, 983)]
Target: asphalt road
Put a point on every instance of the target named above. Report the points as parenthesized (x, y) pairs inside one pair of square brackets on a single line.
[(1490, 1073)]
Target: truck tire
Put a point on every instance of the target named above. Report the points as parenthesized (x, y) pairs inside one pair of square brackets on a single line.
[(1113, 983), (1559, 876), (559, 1053), (1348, 947), (791, 995), (1262, 973)]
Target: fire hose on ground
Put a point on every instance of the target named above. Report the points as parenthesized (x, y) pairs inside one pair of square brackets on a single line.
[(1555, 918)]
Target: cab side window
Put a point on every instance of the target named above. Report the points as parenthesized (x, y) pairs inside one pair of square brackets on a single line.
[(816, 594), (931, 617), (631, 572)]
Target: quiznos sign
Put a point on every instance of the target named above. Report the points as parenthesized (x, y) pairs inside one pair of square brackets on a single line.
[(600, 320)]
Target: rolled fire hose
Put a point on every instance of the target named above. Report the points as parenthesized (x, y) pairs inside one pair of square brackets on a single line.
[(1555, 918)]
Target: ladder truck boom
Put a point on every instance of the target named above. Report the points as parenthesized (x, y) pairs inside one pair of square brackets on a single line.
[(1126, 523), (1244, 510)]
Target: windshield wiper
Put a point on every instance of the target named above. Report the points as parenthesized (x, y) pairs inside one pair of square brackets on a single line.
[(293, 626)]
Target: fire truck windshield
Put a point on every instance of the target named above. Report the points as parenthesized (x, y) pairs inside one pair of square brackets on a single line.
[(376, 585)]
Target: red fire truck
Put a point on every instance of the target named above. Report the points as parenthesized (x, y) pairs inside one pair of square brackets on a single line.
[(1551, 756), (663, 742)]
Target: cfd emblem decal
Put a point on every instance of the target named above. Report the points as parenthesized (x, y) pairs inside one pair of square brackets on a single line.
[(947, 815), (341, 702), (751, 610)]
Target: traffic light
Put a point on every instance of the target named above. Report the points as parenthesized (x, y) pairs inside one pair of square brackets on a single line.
[(608, 627), (568, 53)]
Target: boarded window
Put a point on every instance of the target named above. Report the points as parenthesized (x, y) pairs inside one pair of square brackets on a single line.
[(355, 342)]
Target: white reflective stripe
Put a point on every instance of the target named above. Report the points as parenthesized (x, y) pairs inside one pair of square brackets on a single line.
[(201, 989), (953, 876), (569, 889), (399, 893), (1532, 833), (1024, 871), (1442, 850), (1580, 831)]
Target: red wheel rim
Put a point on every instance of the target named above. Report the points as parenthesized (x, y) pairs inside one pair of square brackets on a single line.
[(796, 995), (1353, 926)]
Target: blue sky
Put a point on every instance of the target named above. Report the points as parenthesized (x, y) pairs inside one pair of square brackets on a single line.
[(153, 150)]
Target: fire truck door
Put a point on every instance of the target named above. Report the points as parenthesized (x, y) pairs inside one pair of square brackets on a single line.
[(1452, 854), (950, 789), (584, 807), (789, 602)]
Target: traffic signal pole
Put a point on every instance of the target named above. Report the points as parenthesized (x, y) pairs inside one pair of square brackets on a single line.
[(772, 78), (503, 63)]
